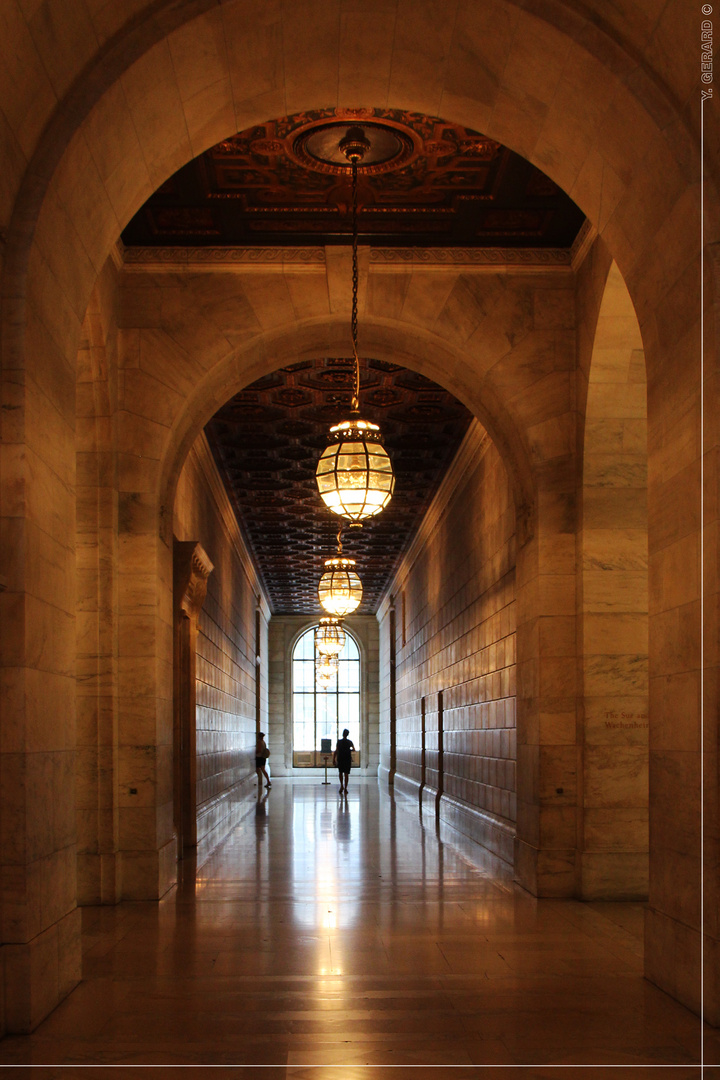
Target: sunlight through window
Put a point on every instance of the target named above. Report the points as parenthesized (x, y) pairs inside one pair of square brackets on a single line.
[(322, 712)]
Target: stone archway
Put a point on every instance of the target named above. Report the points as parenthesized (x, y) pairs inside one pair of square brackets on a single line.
[(594, 116), (536, 423)]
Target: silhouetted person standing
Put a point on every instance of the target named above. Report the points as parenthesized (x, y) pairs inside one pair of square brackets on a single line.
[(342, 758), (261, 755)]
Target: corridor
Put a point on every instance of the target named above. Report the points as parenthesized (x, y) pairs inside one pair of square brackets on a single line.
[(346, 933)]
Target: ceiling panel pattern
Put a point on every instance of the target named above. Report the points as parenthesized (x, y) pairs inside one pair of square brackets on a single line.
[(438, 184), (267, 440)]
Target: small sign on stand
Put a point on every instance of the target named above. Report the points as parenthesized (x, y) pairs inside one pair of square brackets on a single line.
[(326, 750)]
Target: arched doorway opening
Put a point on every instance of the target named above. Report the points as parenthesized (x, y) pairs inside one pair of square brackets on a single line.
[(110, 134)]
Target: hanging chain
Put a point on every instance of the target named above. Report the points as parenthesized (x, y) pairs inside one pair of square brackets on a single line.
[(339, 538), (355, 404)]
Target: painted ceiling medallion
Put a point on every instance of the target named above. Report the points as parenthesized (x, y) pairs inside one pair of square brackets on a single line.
[(318, 147)]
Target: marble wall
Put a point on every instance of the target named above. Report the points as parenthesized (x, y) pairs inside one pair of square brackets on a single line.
[(226, 652), (97, 627), (455, 654)]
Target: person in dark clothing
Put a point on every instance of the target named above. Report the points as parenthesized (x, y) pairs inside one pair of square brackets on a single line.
[(261, 755), (342, 759)]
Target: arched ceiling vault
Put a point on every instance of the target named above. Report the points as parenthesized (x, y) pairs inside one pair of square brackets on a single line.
[(306, 390), (576, 92), (267, 439), (481, 54)]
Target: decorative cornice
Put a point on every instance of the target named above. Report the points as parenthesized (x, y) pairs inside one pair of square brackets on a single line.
[(472, 448), (208, 259), (494, 258), (199, 259), (583, 242)]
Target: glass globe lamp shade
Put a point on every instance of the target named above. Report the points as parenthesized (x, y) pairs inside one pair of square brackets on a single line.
[(354, 474), (340, 589), (326, 669), (329, 637)]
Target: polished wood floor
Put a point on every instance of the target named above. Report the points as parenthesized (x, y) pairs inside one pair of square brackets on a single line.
[(337, 939)]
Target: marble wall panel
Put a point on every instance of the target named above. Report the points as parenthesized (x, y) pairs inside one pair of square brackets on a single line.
[(226, 651), (454, 604), (41, 973)]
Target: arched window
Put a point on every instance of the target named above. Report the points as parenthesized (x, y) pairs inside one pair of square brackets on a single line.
[(321, 712)]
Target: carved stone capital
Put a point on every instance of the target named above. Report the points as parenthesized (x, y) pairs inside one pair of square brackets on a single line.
[(192, 568)]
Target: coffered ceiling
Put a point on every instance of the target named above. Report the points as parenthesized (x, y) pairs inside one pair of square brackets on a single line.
[(267, 440), (428, 182)]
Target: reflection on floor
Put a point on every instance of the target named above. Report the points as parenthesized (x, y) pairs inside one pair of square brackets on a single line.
[(341, 932)]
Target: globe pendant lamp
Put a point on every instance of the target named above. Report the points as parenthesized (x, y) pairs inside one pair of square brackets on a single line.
[(340, 589), (326, 669), (329, 637), (354, 474)]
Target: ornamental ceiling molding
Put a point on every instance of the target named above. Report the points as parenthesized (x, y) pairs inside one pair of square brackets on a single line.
[(483, 260), (210, 259)]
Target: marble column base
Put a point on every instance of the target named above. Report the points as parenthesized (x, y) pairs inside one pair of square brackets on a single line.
[(38, 974), (614, 875), (485, 829), (385, 776), (672, 962), (405, 785), (147, 875), (98, 878), (547, 872)]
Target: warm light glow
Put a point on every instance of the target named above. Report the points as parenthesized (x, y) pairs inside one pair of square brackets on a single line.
[(340, 589), (326, 668), (354, 474), (329, 637)]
